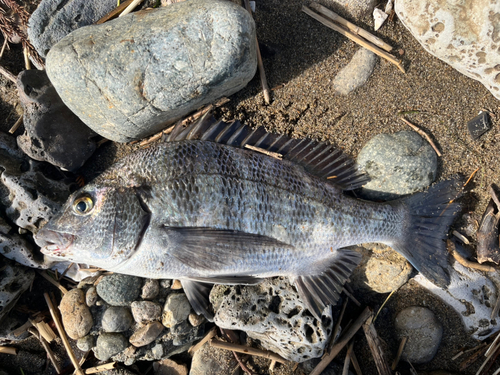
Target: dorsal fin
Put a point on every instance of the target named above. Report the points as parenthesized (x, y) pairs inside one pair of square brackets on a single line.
[(318, 158)]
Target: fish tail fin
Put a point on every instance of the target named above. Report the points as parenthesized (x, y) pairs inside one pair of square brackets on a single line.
[(430, 215)]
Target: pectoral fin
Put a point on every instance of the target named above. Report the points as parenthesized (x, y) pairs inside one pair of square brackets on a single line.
[(319, 291)]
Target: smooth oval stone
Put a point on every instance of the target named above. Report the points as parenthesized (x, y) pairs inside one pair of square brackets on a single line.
[(116, 319), (109, 344), (133, 76), (119, 290), (76, 316)]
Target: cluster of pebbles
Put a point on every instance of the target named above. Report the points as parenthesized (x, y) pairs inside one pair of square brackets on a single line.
[(127, 318)]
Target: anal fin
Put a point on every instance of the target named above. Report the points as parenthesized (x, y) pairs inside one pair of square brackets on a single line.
[(319, 291), (197, 294)]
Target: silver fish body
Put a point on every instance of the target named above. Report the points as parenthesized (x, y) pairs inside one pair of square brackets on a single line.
[(206, 212)]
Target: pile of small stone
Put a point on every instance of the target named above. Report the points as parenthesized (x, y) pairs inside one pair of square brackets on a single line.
[(127, 318)]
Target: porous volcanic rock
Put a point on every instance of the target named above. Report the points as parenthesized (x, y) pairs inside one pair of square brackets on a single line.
[(135, 75), (14, 280)]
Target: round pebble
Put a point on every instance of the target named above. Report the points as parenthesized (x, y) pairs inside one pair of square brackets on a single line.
[(195, 320), (398, 164), (166, 283), (356, 73), (91, 296), (116, 319), (176, 309), (85, 343), (76, 316), (109, 344), (150, 289), (424, 333), (145, 311), (119, 290), (146, 334)]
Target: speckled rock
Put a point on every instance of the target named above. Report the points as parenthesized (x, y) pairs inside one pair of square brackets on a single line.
[(424, 333), (54, 19), (212, 361), (398, 164), (464, 34), (52, 132), (176, 309), (76, 316), (146, 334), (356, 73), (14, 281), (145, 311), (195, 320), (119, 290), (85, 343), (109, 344), (135, 75), (150, 289), (273, 313), (381, 270), (169, 367), (116, 319)]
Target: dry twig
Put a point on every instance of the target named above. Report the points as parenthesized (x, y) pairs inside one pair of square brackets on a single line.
[(7, 74), (16, 125), (355, 363), (100, 368), (345, 370), (375, 347), (130, 8), (400, 351), (265, 152), (354, 37), (47, 348), (247, 350), (467, 263), (423, 134), (52, 281), (115, 12), (8, 350), (207, 337)]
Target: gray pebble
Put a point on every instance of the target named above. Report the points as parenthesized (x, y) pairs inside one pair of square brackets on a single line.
[(91, 296), (85, 343), (150, 289), (116, 319), (176, 309), (54, 19), (398, 164), (165, 283), (356, 73), (146, 334), (424, 334), (195, 320), (109, 344), (157, 351), (145, 311), (119, 290), (160, 65)]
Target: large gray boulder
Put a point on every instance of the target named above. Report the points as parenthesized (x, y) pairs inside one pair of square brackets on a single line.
[(133, 76), (464, 34)]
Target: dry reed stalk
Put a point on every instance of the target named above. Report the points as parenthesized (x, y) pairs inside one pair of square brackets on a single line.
[(467, 263), (247, 350)]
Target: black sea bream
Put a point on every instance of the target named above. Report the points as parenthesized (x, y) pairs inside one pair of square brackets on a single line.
[(203, 209)]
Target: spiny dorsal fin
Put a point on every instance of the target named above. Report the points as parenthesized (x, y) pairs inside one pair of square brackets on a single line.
[(318, 158)]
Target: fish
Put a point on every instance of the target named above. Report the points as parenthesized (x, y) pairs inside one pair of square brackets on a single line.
[(202, 208)]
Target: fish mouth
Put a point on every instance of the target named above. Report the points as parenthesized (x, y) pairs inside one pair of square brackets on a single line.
[(55, 244)]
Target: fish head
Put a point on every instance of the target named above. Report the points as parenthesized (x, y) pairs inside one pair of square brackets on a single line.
[(98, 225)]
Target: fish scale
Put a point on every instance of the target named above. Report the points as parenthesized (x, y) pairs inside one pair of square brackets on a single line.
[(202, 211)]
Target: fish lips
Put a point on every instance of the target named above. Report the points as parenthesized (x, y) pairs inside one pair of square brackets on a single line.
[(52, 243)]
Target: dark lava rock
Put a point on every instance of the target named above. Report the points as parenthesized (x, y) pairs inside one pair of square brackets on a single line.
[(54, 19), (135, 75), (119, 290), (14, 280), (52, 132)]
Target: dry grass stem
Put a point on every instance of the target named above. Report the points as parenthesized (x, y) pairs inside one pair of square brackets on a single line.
[(471, 176), (100, 368), (265, 152), (52, 281), (376, 348), (347, 361), (5, 43), (350, 26), (336, 330), (247, 350), (20, 330), (355, 363), (44, 330), (16, 125), (351, 297), (386, 300), (493, 346), (400, 351), (26, 54), (346, 337), (467, 263), (46, 346), (272, 365), (207, 337), (461, 237), (472, 359), (62, 333), (115, 12), (8, 350), (7, 74), (130, 8), (242, 364), (423, 134), (354, 37)]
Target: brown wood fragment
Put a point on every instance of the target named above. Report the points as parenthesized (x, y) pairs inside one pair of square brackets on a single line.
[(202, 342), (47, 348), (355, 363), (8, 350), (346, 337), (400, 351), (347, 361), (16, 125), (247, 350), (472, 358), (100, 368), (467, 263), (376, 348), (115, 12), (423, 134)]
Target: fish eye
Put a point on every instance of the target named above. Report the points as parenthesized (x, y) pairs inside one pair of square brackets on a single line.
[(83, 205)]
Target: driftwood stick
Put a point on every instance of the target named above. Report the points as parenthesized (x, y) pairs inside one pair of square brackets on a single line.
[(260, 64), (8, 350), (16, 125), (349, 25), (7, 74), (247, 350), (423, 134), (47, 348), (207, 337), (400, 351), (467, 263), (346, 337), (62, 333), (355, 38), (376, 349), (100, 368), (347, 361)]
